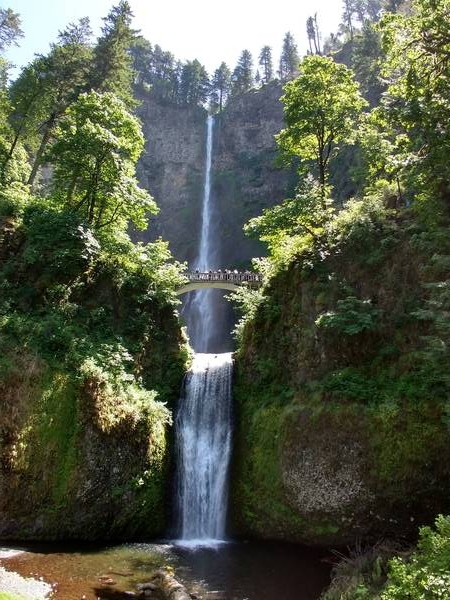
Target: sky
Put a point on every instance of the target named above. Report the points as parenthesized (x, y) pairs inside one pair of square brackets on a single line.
[(212, 32)]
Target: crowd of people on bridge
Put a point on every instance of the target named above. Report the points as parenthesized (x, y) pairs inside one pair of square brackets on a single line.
[(223, 275)]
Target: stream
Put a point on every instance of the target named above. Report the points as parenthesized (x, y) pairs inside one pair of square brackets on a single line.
[(229, 571)]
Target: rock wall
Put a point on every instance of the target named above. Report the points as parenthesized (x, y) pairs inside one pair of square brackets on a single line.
[(244, 180), (172, 169), (244, 176), (91, 352), (341, 436)]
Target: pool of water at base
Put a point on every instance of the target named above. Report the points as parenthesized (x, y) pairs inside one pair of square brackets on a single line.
[(229, 571)]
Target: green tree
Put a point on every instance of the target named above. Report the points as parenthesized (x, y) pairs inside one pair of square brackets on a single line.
[(142, 56), (9, 28), (97, 145), (265, 61), (112, 69), (242, 78), (45, 89), (367, 57), (220, 87), (289, 58), (194, 85), (312, 31), (322, 108), (306, 213), (416, 104)]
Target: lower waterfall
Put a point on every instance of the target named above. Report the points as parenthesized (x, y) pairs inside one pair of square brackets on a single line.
[(203, 446)]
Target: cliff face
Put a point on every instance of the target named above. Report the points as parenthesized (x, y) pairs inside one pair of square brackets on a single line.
[(90, 348), (341, 430), (244, 176), (244, 180), (172, 169)]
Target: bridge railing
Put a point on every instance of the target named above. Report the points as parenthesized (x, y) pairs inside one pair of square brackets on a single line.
[(237, 277)]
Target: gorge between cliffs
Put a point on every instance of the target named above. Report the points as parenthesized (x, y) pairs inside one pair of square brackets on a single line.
[(281, 429)]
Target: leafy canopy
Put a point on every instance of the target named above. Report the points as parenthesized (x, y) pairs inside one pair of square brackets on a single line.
[(321, 108), (94, 155)]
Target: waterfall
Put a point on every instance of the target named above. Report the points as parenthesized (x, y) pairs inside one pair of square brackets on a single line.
[(203, 440), (199, 313), (203, 422)]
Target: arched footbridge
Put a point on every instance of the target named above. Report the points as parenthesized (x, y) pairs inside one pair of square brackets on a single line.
[(223, 280)]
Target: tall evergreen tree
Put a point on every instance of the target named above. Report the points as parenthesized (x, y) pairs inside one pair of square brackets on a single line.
[(46, 88), (9, 28), (265, 61), (142, 56), (242, 78), (194, 85), (289, 59), (312, 31), (112, 70), (347, 17), (220, 87)]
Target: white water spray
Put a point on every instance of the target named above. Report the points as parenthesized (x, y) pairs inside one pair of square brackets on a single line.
[(200, 311), (203, 422), (203, 434)]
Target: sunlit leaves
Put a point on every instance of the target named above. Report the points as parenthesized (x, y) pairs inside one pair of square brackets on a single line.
[(94, 156), (322, 108)]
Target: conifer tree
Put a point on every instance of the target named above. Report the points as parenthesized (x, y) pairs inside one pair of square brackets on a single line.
[(220, 87), (242, 78), (265, 61), (289, 59), (313, 34), (9, 28), (142, 56), (194, 85), (112, 70), (47, 87)]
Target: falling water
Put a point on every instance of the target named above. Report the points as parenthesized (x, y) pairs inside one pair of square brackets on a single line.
[(203, 423), (199, 313), (203, 434)]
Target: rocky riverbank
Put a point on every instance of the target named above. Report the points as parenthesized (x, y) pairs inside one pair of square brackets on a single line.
[(23, 588)]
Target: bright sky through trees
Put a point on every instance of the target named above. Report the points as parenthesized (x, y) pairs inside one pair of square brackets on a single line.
[(210, 31)]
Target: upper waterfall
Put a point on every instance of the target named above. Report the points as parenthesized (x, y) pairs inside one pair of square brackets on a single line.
[(199, 310), (206, 243)]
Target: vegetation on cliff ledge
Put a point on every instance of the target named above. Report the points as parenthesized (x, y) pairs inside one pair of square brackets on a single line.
[(342, 368), (92, 354)]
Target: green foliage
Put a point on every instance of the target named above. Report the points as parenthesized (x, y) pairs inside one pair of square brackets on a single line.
[(220, 87), (265, 61), (425, 575), (322, 108), (242, 76), (416, 105), (247, 302), (9, 28), (289, 59), (57, 242), (194, 83), (119, 397), (351, 316), (307, 213), (94, 157), (112, 64), (13, 199)]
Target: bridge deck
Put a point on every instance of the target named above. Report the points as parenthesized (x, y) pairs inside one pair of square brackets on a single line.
[(226, 280)]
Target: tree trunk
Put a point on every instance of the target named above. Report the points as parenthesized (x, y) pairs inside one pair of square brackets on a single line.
[(45, 139)]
